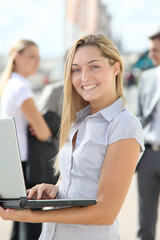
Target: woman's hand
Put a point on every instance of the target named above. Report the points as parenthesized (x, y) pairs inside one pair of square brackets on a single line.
[(31, 129), (43, 191), (40, 191), (16, 215)]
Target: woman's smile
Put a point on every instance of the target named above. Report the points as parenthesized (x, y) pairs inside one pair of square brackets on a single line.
[(89, 87)]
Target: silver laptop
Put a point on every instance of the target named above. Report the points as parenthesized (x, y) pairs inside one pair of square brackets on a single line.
[(12, 185)]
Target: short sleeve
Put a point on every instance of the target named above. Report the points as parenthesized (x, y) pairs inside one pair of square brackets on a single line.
[(20, 94), (127, 127)]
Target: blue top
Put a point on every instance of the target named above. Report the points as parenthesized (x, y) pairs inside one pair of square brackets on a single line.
[(81, 168)]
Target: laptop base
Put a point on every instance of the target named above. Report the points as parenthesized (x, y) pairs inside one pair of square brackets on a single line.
[(24, 203)]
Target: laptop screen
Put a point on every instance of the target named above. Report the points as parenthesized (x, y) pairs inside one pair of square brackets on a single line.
[(11, 176)]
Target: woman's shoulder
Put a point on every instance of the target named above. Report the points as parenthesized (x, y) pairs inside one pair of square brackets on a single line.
[(127, 116), (17, 79), (15, 88), (126, 123)]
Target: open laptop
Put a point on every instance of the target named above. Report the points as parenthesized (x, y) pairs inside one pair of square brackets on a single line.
[(12, 185)]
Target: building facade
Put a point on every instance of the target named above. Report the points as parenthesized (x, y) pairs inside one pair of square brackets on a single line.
[(85, 16)]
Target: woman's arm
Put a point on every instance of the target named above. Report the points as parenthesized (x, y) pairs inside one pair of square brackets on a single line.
[(116, 175), (36, 119)]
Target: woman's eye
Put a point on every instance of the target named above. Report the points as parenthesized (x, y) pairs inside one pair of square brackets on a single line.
[(75, 70), (34, 57), (95, 67)]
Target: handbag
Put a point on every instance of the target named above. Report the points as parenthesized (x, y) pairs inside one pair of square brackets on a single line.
[(41, 154)]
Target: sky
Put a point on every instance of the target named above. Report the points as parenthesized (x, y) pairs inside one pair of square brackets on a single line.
[(39, 20), (43, 22), (133, 21)]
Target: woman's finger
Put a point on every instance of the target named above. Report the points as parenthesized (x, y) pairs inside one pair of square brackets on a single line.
[(41, 190), (32, 192)]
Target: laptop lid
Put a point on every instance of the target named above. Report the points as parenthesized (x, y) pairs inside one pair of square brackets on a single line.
[(12, 183)]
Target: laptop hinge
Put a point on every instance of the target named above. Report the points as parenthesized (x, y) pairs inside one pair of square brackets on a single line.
[(23, 201)]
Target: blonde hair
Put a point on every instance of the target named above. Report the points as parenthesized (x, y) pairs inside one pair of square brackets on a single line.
[(73, 102), (18, 47)]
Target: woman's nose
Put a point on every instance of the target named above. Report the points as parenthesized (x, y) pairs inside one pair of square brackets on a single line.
[(37, 59), (85, 75)]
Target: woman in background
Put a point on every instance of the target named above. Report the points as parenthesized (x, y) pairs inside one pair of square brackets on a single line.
[(100, 144), (17, 100)]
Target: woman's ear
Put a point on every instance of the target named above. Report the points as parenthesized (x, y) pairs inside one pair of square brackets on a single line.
[(16, 57), (116, 68)]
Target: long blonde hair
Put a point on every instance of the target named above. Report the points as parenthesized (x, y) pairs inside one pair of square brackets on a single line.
[(18, 47), (73, 102)]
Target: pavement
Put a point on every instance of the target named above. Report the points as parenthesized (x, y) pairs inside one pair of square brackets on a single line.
[(128, 216), (5, 229)]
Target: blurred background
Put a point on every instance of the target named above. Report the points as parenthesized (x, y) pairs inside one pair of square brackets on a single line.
[(55, 24)]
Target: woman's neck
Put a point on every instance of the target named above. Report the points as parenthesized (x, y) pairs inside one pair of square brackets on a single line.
[(23, 74), (96, 107)]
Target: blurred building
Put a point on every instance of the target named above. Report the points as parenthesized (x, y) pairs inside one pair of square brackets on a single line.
[(86, 16)]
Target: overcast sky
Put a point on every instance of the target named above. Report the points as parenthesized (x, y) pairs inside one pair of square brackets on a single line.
[(133, 21), (42, 21), (39, 20)]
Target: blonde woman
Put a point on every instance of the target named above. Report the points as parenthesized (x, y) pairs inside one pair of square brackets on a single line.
[(17, 100), (100, 144)]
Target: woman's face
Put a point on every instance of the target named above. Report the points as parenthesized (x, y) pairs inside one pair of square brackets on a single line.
[(93, 77), (27, 62)]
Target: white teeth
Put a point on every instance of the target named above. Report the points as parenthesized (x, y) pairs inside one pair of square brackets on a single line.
[(89, 87)]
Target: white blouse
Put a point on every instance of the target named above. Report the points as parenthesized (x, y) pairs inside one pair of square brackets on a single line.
[(16, 91), (81, 168)]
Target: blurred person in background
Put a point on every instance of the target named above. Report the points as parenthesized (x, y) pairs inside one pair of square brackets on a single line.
[(17, 100), (148, 170), (52, 100)]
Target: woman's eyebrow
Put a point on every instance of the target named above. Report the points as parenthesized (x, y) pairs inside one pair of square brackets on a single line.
[(92, 61), (75, 64)]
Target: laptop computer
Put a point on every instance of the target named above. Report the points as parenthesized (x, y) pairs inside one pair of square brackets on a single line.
[(12, 185)]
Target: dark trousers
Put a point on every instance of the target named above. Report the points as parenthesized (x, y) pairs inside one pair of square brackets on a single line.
[(25, 231), (148, 171)]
